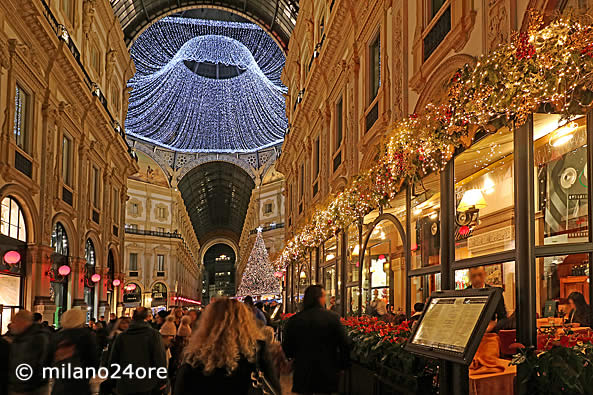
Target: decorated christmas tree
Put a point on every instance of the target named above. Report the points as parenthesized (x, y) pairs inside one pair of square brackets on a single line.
[(258, 277)]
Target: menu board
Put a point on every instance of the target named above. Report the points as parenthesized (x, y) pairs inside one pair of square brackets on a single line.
[(453, 323), (449, 322)]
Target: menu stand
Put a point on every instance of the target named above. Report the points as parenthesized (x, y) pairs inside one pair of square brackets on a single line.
[(450, 329)]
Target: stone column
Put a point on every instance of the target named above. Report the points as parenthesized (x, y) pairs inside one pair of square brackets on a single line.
[(77, 283), (37, 283)]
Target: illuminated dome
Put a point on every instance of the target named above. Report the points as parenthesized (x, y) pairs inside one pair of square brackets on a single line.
[(207, 86)]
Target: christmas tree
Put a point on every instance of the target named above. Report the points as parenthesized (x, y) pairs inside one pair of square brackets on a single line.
[(258, 277)]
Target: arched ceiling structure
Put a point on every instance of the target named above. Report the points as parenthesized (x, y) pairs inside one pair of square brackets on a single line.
[(216, 196), (277, 17)]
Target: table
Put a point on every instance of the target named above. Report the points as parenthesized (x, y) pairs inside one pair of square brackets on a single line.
[(494, 383)]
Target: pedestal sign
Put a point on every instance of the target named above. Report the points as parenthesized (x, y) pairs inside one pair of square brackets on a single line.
[(453, 323)]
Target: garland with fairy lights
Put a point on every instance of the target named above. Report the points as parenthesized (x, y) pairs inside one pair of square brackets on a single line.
[(235, 104), (551, 66)]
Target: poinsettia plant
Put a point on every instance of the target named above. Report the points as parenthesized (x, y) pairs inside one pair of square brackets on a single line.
[(562, 363), (378, 345)]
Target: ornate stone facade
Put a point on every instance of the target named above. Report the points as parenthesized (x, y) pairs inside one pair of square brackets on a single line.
[(62, 157)]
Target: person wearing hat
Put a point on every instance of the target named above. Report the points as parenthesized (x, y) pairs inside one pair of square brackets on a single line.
[(159, 319), (74, 345)]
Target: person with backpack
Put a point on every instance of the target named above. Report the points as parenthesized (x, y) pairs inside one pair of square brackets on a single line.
[(141, 347), (76, 346)]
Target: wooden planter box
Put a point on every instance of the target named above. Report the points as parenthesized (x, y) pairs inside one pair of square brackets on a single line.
[(359, 380)]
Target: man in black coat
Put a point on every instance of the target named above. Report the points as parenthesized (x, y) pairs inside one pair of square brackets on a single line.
[(141, 347), (30, 345), (319, 345)]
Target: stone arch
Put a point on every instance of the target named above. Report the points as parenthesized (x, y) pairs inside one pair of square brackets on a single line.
[(219, 240), (71, 232), (94, 236), (200, 160), (435, 85), (116, 258), (155, 157), (23, 198)]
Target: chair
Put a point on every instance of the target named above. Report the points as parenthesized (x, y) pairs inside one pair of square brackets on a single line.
[(507, 337)]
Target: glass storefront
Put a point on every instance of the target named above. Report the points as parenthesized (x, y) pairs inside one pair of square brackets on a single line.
[(483, 214), (59, 281)]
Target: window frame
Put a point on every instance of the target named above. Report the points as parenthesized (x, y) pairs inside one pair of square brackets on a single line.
[(375, 42), (25, 117), (67, 160), (133, 268)]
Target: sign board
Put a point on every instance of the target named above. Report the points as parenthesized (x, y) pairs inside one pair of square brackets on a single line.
[(132, 297), (453, 323)]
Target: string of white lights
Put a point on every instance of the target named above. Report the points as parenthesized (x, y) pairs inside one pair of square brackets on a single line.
[(173, 106)]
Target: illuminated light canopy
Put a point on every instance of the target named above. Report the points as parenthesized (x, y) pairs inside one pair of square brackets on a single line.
[(96, 278), (207, 86), (116, 282)]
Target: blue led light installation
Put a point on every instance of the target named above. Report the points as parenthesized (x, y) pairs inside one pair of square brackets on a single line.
[(186, 110)]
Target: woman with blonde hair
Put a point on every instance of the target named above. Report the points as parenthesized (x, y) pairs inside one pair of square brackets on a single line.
[(224, 352)]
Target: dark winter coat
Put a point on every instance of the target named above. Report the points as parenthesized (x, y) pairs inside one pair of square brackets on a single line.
[(139, 346), (320, 347), (77, 347), (4, 363), (30, 347), (192, 380)]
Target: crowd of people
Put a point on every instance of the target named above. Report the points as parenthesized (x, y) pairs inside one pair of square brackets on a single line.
[(230, 348)]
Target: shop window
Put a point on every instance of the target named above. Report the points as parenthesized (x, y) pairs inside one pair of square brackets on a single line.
[(559, 277), (433, 8), (89, 253), (330, 281), (425, 233), (133, 261), (374, 67), (59, 240), (484, 187), (500, 275), (12, 220), (353, 257), (67, 160), (423, 286), (384, 265), (561, 184), (352, 301), (21, 118)]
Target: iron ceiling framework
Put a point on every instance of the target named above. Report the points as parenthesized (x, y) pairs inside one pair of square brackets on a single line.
[(277, 17), (216, 196)]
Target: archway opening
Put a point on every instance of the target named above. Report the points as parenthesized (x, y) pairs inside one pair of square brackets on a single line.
[(219, 272)]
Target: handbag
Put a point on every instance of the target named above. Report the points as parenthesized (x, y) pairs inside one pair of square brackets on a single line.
[(259, 382)]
